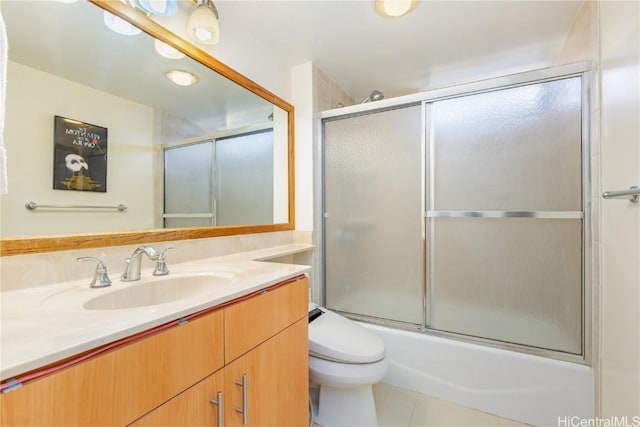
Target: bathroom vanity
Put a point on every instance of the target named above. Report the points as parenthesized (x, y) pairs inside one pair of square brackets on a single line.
[(235, 358)]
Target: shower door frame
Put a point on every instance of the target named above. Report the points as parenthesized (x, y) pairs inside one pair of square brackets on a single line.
[(424, 98)]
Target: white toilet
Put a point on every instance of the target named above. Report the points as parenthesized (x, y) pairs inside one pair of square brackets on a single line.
[(345, 360)]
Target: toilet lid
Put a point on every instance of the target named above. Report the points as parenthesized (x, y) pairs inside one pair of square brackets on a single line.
[(334, 337)]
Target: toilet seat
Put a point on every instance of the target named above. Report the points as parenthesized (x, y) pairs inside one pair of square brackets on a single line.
[(338, 339)]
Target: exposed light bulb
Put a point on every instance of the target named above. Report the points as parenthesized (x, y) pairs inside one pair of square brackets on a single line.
[(397, 7), (203, 23), (167, 51), (203, 34), (394, 8), (182, 78)]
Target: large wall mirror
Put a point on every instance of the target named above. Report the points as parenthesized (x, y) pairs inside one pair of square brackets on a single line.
[(211, 159)]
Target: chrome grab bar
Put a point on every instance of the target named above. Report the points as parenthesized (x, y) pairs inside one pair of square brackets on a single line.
[(33, 205), (633, 194)]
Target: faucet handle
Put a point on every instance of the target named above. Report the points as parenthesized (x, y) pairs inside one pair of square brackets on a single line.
[(100, 277), (161, 264), (150, 251)]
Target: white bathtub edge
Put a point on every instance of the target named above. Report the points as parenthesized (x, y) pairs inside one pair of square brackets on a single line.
[(526, 388)]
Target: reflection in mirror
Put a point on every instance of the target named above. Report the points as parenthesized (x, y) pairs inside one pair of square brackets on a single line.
[(223, 180), (75, 67)]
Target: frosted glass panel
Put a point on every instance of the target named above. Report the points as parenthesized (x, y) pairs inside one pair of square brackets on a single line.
[(187, 179), (242, 194), (515, 149), (511, 280), (373, 201)]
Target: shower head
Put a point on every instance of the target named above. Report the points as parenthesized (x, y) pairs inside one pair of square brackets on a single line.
[(375, 95)]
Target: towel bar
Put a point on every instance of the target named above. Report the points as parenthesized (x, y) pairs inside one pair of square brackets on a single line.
[(33, 205), (632, 194)]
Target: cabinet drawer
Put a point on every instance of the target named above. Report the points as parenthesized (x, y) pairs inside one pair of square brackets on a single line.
[(116, 387), (153, 370), (251, 322)]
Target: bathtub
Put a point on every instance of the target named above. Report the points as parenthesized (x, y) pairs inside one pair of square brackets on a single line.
[(530, 389)]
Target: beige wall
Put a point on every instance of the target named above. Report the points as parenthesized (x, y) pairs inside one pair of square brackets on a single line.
[(608, 34), (329, 94), (620, 220), (33, 99), (581, 39)]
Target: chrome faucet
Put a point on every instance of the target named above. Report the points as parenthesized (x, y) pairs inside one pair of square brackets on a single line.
[(132, 271)]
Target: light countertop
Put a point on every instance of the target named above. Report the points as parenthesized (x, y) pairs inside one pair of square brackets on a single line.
[(45, 324)]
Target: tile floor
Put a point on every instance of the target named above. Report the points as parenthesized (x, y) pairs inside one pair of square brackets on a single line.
[(399, 407)]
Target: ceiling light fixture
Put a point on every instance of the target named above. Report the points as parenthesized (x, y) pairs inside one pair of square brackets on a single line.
[(182, 78), (119, 25), (394, 8), (167, 51), (203, 23)]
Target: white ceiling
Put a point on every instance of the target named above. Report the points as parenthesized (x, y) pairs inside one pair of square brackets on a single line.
[(439, 43)]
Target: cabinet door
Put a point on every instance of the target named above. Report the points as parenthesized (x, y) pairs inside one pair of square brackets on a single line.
[(251, 322), (193, 407), (276, 382)]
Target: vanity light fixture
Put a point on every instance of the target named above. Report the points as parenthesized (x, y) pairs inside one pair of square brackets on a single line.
[(167, 51), (182, 78), (157, 7), (119, 25), (394, 8), (203, 23)]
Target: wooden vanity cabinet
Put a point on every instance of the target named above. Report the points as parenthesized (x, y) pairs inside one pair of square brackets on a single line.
[(276, 386), (266, 339), (265, 378), (116, 387)]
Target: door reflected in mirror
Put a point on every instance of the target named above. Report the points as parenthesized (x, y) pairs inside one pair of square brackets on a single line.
[(222, 181), (76, 67)]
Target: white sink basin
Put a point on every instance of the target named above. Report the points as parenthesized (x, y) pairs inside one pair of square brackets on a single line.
[(161, 290)]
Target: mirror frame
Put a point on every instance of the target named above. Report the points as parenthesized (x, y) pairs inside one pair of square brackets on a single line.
[(39, 244)]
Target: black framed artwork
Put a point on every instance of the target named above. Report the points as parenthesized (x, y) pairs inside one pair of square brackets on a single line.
[(80, 156)]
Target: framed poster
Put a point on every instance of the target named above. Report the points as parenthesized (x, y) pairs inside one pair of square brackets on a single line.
[(80, 156)]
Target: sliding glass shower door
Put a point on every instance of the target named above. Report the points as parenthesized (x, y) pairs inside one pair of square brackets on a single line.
[(373, 204), (505, 215), (464, 215)]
